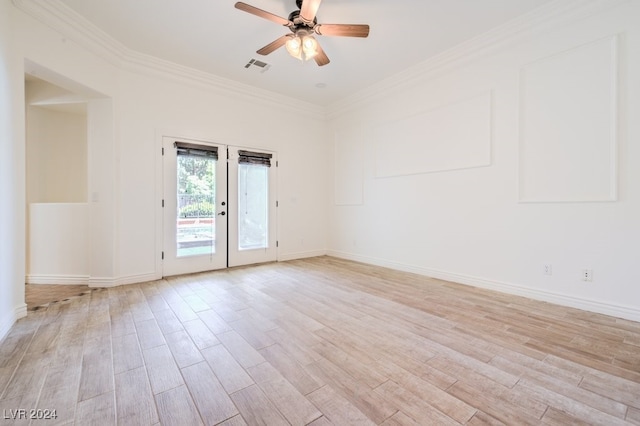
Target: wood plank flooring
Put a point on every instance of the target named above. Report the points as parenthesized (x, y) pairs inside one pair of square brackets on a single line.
[(318, 341), (39, 296)]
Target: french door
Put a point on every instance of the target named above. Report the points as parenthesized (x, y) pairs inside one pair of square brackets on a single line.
[(219, 206), (251, 223)]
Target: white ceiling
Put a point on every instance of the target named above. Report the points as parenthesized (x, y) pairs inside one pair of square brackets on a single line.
[(213, 36)]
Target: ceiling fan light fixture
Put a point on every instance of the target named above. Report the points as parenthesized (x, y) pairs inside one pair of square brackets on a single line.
[(294, 47), (302, 46), (309, 47)]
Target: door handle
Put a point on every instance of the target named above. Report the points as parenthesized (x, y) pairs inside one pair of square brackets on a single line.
[(222, 213)]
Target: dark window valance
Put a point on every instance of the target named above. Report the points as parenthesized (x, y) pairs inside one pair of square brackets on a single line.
[(250, 157), (185, 148)]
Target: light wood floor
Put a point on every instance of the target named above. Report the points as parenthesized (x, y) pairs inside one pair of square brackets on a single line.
[(39, 296), (319, 341)]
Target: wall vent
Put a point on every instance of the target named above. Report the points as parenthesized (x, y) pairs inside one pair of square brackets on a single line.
[(258, 65)]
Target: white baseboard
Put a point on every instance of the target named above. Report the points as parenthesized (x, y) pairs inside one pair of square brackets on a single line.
[(90, 281), (139, 278), (123, 280), (617, 311), (7, 322), (57, 279), (301, 255), (102, 282)]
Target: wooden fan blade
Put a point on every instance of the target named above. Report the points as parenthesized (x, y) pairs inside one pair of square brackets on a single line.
[(321, 58), (342, 30), (276, 44), (262, 14), (309, 9)]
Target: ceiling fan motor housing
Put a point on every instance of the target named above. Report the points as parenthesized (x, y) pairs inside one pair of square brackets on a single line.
[(299, 24)]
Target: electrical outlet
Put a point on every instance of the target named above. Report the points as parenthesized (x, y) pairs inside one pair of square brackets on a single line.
[(548, 270), (587, 275)]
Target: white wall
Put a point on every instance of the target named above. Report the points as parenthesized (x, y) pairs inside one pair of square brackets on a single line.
[(102, 174), (12, 182), (472, 224), (150, 108), (56, 156), (133, 104), (58, 246)]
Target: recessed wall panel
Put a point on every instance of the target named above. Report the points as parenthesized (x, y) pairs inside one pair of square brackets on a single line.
[(348, 184), (451, 137), (568, 122)]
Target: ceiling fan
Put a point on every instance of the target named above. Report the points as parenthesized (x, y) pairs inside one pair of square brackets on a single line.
[(301, 43)]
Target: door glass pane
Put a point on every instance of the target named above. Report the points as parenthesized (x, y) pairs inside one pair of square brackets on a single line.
[(196, 212), (253, 196)]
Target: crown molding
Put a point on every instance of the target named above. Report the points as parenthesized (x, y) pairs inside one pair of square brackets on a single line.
[(57, 16), (60, 18), (547, 17)]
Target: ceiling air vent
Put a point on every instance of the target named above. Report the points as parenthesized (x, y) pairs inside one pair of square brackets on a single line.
[(258, 65)]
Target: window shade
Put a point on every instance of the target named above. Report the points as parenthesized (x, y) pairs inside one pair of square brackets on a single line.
[(250, 157), (185, 148)]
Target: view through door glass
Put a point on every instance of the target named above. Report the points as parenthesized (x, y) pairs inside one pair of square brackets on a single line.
[(195, 213), (253, 206)]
